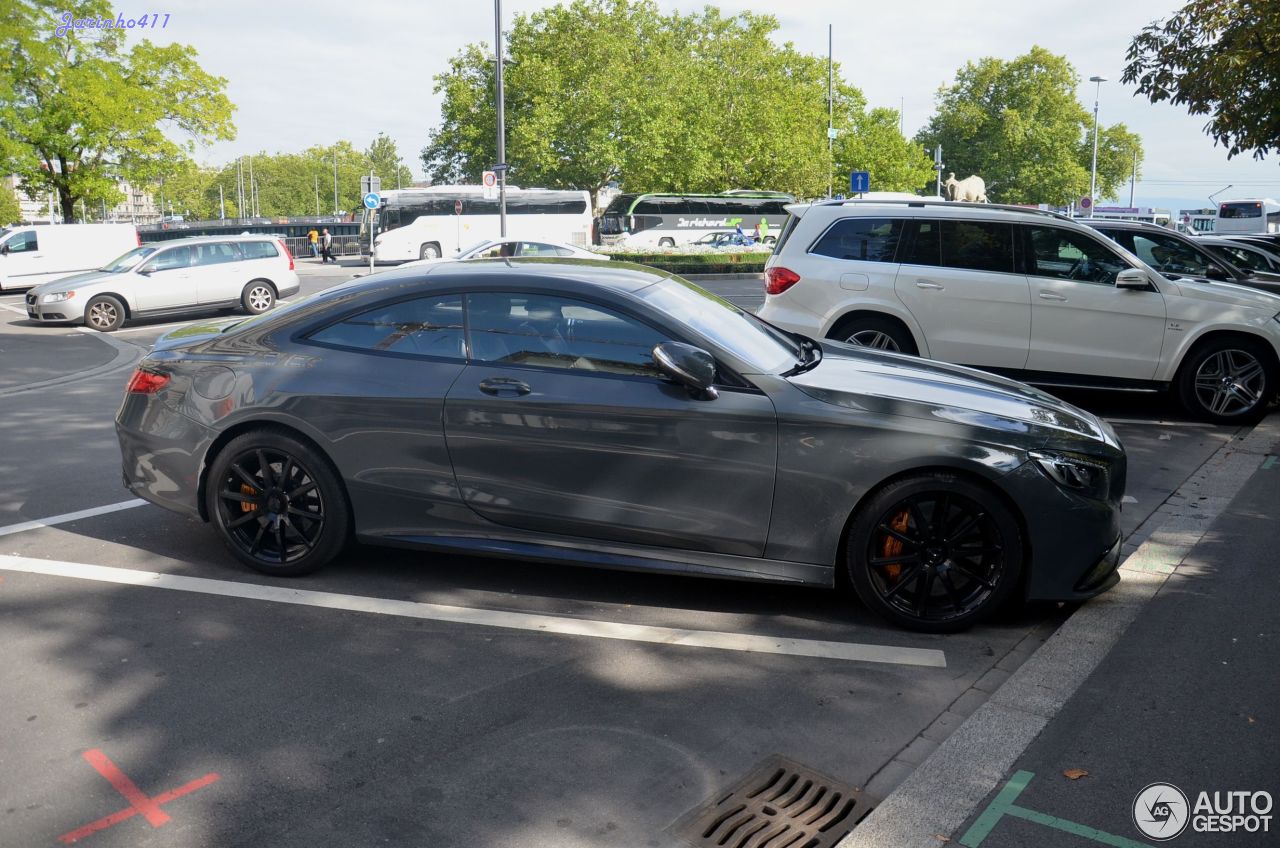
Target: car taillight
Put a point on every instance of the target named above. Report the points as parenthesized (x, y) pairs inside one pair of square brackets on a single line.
[(146, 382), (779, 279), (285, 248)]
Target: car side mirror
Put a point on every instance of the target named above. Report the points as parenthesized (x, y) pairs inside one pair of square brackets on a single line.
[(1132, 278), (1216, 272), (689, 366), (146, 270), (4, 250)]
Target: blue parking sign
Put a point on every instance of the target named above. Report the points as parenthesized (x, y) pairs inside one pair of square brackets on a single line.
[(859, 182)]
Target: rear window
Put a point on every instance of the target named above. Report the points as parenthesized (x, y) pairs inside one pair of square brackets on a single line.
[(861, 240), (259, 249), (787, 229)]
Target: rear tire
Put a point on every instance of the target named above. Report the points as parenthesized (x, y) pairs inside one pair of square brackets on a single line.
[(875, 332), (429, 251), (257, 297), (1228, 381), (277, 503), (666, 242), (934, 552), (104, 313)]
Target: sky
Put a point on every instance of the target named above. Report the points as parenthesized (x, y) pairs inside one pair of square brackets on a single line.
[(312, 73)]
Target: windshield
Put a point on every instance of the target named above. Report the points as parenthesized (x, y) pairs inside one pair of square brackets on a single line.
[(127, 261), (768, 350)]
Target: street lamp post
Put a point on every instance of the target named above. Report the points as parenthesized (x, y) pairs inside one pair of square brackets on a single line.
[(502, 129), (1093, 170)]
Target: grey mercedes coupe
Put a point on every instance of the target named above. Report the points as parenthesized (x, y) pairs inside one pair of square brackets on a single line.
[(606, 414)]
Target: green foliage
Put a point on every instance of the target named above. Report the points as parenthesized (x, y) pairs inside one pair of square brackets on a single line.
[(871, 141), (1020, 126), (78, 111), (1219, 58), (602, 90), (698, 263), (10, 211), (384, 160)]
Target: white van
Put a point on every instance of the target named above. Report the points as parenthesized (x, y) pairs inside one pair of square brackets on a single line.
[(31, 255)]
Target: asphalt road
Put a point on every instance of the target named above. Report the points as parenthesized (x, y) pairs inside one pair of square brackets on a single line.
[(309, 723)]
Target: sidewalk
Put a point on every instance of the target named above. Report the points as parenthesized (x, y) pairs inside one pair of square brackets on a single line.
[(1188, 696)]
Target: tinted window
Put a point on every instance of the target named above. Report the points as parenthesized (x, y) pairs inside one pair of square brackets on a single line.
[(216, 254), (428, 326), (926, 246), (1056, 252), (977, 245), (862, 239), (259, 250), (1243, 258), (757, 343), (22, 243), (554, 332), (1168, 255), (177, 257), (1240, 210)]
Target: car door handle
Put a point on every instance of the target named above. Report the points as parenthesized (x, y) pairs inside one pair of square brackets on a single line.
[(928, 284), (504, 387), (1044, 295)]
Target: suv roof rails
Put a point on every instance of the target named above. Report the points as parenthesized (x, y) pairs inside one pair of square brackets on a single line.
[(932, 201)]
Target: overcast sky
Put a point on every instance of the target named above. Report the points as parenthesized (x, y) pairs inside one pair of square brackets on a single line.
[(311, 73)]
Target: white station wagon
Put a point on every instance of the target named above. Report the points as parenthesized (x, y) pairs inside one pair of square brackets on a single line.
[(203, 274), (1028, 294)]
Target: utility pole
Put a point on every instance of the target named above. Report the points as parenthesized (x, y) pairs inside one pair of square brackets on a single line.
[(335, 181), (317, 195), (222, 204), (502, 118), (253, 192), (937, 167), (831, 110), (1093, 171), (1133, 179)]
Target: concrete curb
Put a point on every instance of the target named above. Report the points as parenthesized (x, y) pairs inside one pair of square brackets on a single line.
[(940, 795), (125, 355)]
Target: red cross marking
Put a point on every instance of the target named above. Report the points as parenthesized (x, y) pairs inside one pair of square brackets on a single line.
[(139, 802)]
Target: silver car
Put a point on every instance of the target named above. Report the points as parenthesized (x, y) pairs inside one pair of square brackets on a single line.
[(201, 274)]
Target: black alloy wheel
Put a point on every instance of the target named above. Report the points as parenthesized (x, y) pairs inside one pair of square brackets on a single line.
[(874, 332), (935, 553), (277, 503), (1227, 381)]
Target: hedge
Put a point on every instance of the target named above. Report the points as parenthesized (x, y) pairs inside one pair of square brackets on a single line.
[(698, 263)]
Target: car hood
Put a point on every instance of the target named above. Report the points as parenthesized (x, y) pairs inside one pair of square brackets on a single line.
[(194, 333), (85, 278), (920, 388), (1233, 294)]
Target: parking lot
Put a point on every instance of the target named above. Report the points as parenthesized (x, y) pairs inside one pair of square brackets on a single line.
[(156, 693)]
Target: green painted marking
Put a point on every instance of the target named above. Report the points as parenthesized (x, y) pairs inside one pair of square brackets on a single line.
[(1003, 806), (1270, 463)]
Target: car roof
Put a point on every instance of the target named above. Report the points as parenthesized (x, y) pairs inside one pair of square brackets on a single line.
[(936, 207), (1127, 225), (208, 239), (622, 276)]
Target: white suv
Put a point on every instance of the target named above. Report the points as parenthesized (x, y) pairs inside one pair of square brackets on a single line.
[(170, 278), (1029, 294)]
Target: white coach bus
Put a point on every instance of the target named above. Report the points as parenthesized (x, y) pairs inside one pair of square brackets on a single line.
[(427, 223), (1255, 215)]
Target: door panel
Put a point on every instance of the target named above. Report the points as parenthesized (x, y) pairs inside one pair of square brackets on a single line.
[(218, 272), (170, 283), (959, 281), (1080, 322)]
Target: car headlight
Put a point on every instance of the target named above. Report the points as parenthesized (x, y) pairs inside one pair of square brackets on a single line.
[(1085, 475), (57, 297)]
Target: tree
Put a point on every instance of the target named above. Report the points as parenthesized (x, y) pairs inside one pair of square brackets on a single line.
[(1020, 126), (78, 111), (603, 90), (10, 211), (1219, 58), (871, 141), (384, 161)]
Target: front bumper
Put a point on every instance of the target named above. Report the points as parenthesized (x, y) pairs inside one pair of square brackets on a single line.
[(1074, 541), (53, 313)]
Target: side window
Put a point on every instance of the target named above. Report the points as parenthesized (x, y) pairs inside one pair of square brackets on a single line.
[(259, 250), (977, 245), (563, 251), (926, 245), (555, 332), (171, 259), (427, 326), (1168, 255), (1059, 253), (23, 243), (494, 251), (216, 253), (533, 248), (1243, 258), (861, 239)]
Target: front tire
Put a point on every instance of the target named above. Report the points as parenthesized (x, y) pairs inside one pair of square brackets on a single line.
[(277, 503), (875, 332), (666, 242), (1227, 381), (429, 251), (104, 313), (935, 553), (258, 297)]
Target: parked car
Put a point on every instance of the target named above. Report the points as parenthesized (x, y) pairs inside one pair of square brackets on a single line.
[(31, 255), (608, 414), (1023, 293), (1266, 241), (725, 239), (1179, 256), (512, 247), (202, 274), (1247, 256)]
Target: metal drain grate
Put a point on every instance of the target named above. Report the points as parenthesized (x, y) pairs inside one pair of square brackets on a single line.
[(780, 804)]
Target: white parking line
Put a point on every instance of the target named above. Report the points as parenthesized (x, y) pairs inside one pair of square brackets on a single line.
[(725, 641), (1147, 422), (10, 529), (146, 327), (12, 308)]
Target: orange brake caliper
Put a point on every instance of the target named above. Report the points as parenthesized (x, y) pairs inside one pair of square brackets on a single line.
[(893, 547), (246, 489)]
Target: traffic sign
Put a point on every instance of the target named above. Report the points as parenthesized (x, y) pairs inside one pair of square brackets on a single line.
[(1086, 202), (490, 182), (370, 184), (372, 200), (859, 182)]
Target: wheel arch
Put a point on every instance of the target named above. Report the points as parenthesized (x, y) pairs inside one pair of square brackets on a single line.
[(124, 301), (903, 321), (275, 289), (1194, 345)]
